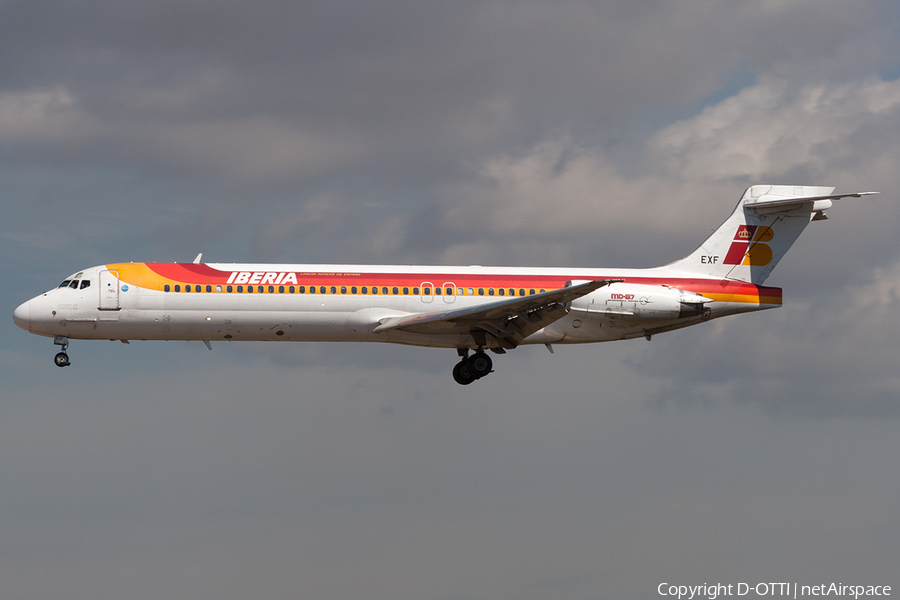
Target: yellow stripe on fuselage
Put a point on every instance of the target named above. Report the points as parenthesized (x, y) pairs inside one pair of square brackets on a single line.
[(140, 275)]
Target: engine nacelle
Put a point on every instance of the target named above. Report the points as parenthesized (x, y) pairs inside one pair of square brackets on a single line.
[(641, 301)]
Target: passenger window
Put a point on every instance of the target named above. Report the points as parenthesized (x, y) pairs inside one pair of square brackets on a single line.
[(415, 291), (166, 288), (521, 292), (280, 289), (218, 289), (321, 289), (427, 291), (543, 290), (365, 290), (502, 291), (396, 291), (177, 288), (249, 289), (334, 289), (260, 289), (481, 291), (374, 289), (490, 291), (353, 290), (531, 292), (187, 288), (85, 283), (471, 292), (406, 291), (209, 289), (229, 289), (343, 289), (302, 289), (384, 290), (449, 291), (291, 290)]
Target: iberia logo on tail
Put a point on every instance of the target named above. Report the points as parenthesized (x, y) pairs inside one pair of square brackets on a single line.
[(749, 247)]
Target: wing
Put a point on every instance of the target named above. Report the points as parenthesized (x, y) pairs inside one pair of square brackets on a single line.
[(510, 321)]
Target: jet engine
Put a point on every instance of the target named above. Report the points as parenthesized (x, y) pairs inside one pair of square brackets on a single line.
[(641, 301)]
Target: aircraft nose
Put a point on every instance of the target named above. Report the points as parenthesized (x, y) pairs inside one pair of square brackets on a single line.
[(22, 315)]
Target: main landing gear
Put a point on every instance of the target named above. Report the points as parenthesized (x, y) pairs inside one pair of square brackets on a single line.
[(61, 359), (470, 368)]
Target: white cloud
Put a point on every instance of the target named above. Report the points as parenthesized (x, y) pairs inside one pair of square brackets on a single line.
[(39, 115), (770, 128), (699, 166), (561, 188)]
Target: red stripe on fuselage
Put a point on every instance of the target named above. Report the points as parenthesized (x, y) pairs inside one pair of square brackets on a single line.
[(204, 274)]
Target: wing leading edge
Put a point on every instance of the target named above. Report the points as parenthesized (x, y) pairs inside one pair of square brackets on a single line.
[(510, 321)]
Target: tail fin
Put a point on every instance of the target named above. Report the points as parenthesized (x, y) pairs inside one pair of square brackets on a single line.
[(763, 226)]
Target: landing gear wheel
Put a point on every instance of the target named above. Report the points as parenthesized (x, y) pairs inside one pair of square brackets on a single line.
[(61, 360), (462, 374), (480, 364)]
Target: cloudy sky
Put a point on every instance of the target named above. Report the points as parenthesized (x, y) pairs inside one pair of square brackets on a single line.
[(760, 448)]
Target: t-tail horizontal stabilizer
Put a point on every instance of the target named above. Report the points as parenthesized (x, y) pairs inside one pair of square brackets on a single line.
[(764, 225)]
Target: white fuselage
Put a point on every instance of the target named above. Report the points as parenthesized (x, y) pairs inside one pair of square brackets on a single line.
[(117, 306)]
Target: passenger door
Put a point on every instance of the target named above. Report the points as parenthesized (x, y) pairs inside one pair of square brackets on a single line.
[(109, 290)]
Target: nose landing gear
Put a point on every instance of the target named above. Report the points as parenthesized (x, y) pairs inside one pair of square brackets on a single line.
[(61, 359), (470, 368)]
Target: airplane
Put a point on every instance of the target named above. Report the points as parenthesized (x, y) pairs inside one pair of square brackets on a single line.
[(470, 309)]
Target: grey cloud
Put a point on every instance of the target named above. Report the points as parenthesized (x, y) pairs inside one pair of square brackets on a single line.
[(821, 355), (296, 477), (402, 79)]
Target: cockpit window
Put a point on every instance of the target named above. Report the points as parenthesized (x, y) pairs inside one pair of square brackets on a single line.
[(65, 283), (74, 284), (85, 283)]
